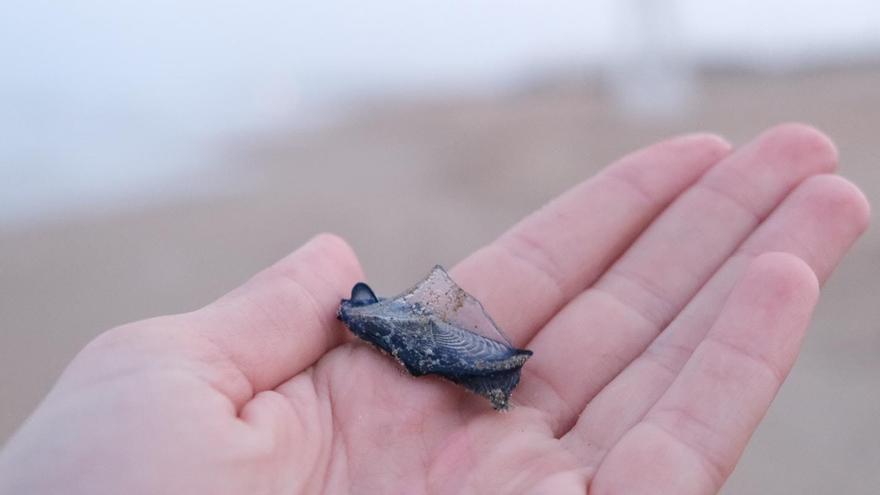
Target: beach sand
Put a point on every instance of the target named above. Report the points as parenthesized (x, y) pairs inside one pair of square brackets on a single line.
[(412, 184)]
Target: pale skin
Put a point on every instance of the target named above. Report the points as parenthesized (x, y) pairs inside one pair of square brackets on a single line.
[(665, 300)]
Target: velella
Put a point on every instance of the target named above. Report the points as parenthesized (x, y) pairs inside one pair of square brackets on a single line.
[(436, 328)]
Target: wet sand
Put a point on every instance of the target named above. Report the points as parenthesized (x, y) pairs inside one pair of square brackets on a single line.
[(414, 184)]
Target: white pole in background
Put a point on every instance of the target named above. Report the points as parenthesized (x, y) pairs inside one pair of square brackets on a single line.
[(649, 75)]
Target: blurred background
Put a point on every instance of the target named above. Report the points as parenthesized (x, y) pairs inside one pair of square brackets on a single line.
[(153, 155)]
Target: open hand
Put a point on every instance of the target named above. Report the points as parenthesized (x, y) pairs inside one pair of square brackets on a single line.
[(661, 332)]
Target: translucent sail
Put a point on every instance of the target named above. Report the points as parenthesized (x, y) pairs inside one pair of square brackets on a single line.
[(441, 296)]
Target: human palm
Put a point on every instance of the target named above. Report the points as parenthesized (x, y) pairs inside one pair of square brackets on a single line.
[(660, 327)]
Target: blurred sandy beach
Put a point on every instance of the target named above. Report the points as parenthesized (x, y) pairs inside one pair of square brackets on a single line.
[(415, 183)]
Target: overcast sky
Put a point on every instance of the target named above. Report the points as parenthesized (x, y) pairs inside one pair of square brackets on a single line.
[(200, 51)]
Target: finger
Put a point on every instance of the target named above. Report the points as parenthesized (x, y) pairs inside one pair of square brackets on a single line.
[(602, 330), (283, 319), (692, 438), (818, 223), (526, 275)]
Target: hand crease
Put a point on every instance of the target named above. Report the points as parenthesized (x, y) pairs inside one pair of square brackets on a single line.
[(759, 361), (712, 468), (519, 244)]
